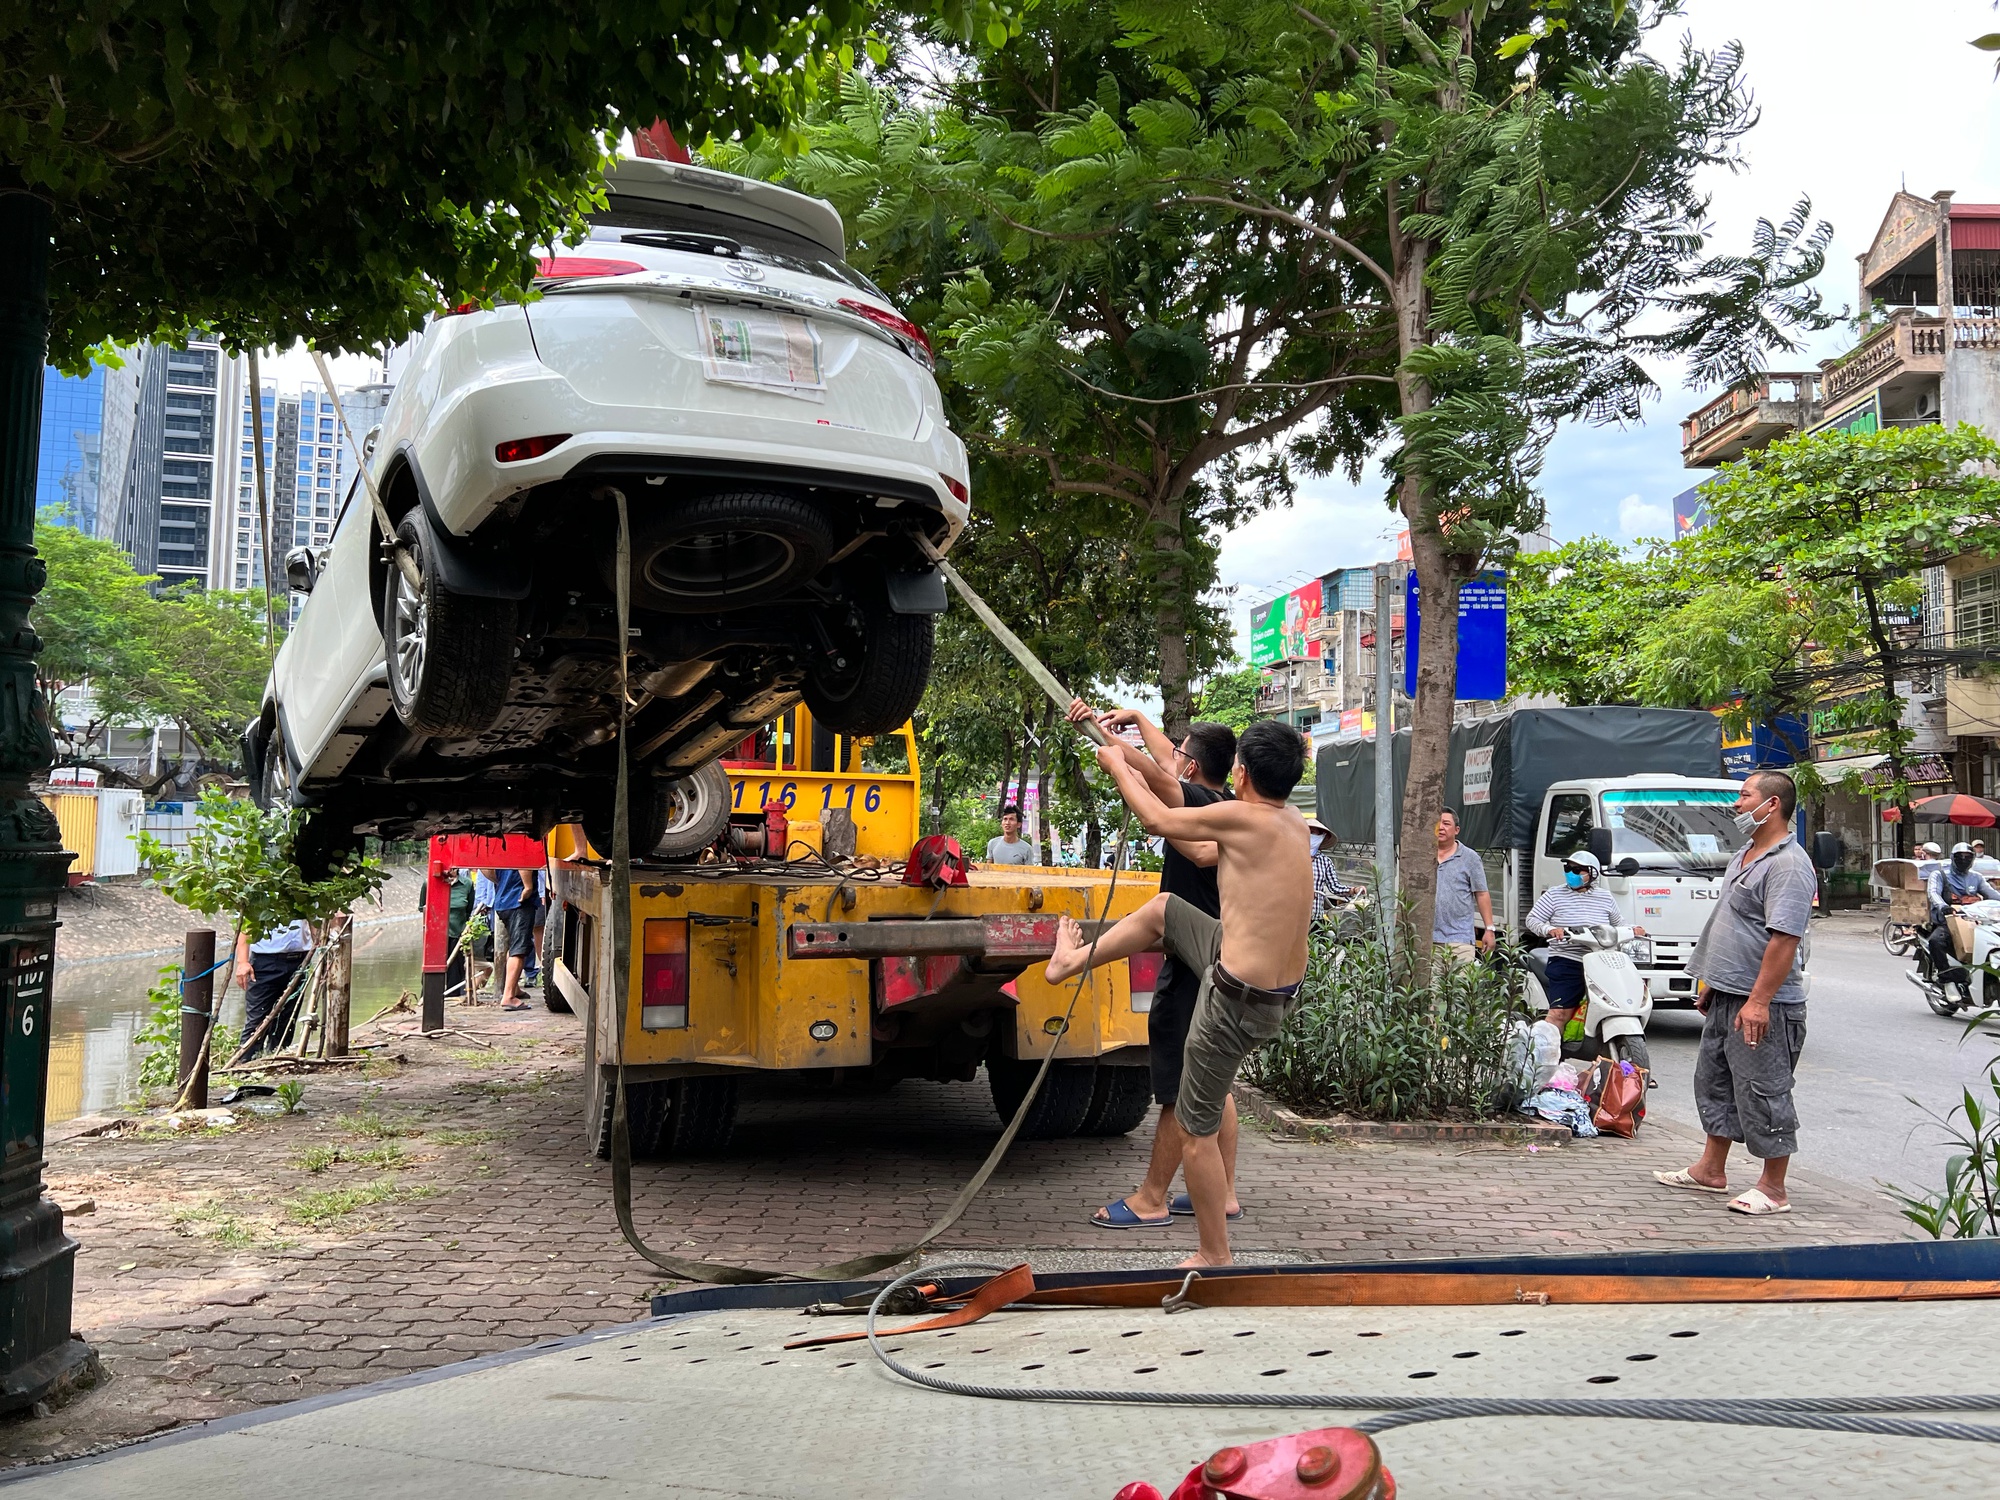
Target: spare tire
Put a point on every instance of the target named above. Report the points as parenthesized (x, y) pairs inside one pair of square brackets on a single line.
[(673, 817), (723, 551)]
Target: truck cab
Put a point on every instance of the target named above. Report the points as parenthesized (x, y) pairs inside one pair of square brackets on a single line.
[(1664, 841)]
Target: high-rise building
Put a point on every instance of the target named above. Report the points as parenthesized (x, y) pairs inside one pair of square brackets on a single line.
[(159, 491), (69, 461)]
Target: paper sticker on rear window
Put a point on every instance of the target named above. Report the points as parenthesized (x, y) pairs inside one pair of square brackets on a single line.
[(773, 351)]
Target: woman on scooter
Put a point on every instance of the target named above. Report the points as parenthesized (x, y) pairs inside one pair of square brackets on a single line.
[(1577, 902)]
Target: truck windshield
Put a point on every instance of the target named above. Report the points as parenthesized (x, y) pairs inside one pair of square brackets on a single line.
[(1673, 828)]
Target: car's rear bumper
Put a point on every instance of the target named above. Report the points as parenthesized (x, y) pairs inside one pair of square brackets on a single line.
[(466, 482)]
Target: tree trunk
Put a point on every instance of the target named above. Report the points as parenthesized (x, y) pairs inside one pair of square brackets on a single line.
[(339, 987), (1176, 703)]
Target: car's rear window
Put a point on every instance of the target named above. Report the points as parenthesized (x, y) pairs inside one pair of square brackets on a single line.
[(705, 231)]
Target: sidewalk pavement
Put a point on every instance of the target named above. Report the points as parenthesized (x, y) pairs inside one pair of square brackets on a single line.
[(454, 1212)]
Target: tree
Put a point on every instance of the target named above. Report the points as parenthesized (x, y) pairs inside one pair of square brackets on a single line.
[(1575, 615), (1810, 576), (1232, 239), (1230, 698)]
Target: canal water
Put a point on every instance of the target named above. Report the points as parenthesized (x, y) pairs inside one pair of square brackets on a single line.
[(100, 1007)]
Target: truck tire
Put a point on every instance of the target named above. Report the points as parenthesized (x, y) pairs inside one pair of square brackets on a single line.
[(1060, 1107), (652, 808), (692, 1117), (879, 668), (449, 656), (724, 551), (551, 952), (697, 811), (1119, 1100)]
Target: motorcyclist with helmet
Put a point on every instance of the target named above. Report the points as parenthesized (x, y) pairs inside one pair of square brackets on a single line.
[(1577, 902), (1955, 883)]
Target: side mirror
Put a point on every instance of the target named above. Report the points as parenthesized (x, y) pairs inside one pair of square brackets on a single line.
[(1627, 866), (301, 573), (1826, 850), (1600, 845)]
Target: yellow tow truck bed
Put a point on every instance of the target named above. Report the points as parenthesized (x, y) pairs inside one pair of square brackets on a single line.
[(754, 967)]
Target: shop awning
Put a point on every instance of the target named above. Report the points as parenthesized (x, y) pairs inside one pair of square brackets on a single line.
[(1833, 770)]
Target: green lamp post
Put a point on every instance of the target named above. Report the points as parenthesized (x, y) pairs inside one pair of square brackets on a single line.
[(37, 1260)]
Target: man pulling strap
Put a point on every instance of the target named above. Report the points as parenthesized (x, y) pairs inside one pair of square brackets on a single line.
[(1251, 962)]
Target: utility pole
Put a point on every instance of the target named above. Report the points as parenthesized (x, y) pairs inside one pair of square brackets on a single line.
[(197, 1016), (37, 1355), (1385, 744)]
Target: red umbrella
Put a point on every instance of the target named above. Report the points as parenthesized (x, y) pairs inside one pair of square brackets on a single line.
[(1956, 807)]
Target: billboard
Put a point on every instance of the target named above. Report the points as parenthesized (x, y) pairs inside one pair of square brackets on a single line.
[(1279, 627), (1690, 511)]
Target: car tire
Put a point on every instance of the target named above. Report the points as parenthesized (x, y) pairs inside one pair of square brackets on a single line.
[(1119, 1100), (1059, 1109), (449, 656), (673, 817), (877, 679), (274, 776), (724, 551)]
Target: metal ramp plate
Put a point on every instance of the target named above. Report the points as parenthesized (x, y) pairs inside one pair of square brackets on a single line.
[(710, 1405)]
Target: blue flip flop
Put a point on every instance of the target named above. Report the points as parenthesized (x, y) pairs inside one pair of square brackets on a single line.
[(1118, 1215), (1182, 1206)]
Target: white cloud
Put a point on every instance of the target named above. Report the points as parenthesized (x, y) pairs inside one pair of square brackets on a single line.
[(1647, 518)]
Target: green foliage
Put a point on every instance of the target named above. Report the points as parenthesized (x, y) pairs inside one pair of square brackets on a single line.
[(291, 1094), (432, 145), (239, 860), (1967, 1205), (316, 1210), (1574, 615), (1371, 1040), (1230, 698), (191, 656)]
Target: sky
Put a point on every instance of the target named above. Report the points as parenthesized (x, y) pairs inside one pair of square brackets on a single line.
[(1855, 97)]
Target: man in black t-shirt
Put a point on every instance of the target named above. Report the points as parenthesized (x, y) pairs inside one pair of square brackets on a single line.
[(1193, 773)]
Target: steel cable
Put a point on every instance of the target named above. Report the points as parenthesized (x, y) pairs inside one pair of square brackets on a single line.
[(1817, 1413)]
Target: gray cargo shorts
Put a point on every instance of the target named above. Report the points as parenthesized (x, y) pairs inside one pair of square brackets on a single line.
[(1744, 1093), (1225, 1029)]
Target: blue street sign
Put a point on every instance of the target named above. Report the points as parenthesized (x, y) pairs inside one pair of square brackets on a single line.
[(1482, 636)]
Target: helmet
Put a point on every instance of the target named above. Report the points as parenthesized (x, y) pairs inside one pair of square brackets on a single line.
[(1961, 857), (1580, 869)]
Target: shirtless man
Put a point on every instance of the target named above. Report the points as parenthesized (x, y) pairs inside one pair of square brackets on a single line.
[(1251, 962)]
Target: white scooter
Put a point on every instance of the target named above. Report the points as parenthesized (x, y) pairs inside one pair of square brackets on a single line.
[(1614, 1020)]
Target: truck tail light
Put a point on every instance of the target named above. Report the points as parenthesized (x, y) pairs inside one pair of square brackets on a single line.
[(915, 340), (520, 450), (663, 974), (1144, 969)]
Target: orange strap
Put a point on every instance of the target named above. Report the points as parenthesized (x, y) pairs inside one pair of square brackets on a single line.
[(1009, 1286)]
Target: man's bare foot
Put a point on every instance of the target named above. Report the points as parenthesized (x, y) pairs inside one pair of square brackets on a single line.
[(1072, 952), (1198, 1261)]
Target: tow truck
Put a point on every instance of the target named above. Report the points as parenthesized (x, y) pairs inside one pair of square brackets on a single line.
[(807, 943)]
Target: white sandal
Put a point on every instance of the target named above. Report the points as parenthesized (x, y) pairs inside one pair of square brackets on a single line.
[(1756, 1202), (1681, 1179)]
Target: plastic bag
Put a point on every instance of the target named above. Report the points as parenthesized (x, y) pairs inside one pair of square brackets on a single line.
[(1547, 1044), (1622, 1103)]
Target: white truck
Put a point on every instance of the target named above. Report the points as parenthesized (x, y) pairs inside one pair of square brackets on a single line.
[(1641, 788)]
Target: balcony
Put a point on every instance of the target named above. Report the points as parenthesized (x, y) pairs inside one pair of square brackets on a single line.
[(1738, 421), (1908, 348)]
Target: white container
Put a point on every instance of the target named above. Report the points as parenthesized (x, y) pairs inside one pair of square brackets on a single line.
[(120, 816)]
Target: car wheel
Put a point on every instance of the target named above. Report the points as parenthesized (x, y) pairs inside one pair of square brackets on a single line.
[(724, 551), (449, 655), (875, 676), (274, 780), (697, 810)]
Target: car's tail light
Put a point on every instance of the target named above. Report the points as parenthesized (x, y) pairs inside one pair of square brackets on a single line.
[(577, 267), (895, 323), (958, 490), (1144, 971), (663, 974), (520, 450)]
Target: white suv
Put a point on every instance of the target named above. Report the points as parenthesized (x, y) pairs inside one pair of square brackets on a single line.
[(774, 425)]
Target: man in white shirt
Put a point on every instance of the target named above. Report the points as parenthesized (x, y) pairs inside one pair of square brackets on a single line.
[(1010, 848), (265, 968)]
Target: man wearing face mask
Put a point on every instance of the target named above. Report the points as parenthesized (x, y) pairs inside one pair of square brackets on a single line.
[(1751, 994), (1578, 902), (1956, 883)]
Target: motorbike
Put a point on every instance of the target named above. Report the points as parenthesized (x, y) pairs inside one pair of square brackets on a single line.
[(1965, 986), (1615, 1016)]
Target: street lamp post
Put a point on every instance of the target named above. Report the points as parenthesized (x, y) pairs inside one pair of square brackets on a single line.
[(37, 1260)]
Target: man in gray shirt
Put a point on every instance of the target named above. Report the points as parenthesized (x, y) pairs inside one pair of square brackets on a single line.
[(1751, 966), (1010, 848), (1463, 903)]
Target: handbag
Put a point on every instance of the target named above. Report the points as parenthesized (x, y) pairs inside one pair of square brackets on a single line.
[(1621, 1100)]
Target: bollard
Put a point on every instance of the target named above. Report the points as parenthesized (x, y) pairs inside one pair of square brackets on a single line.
[(197, 1004), (339, 983)]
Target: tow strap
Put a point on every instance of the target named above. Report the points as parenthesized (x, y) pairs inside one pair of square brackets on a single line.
[(715, 1272)]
